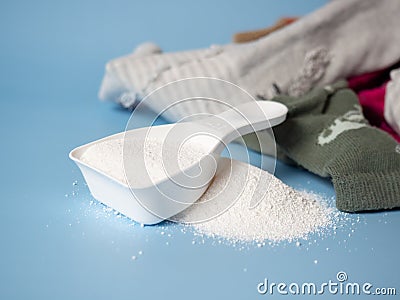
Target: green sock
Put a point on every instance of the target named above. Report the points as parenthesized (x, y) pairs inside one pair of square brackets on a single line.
[(327, 134)]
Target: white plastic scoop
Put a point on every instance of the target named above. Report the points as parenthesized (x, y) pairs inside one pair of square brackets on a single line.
[(161, 197)]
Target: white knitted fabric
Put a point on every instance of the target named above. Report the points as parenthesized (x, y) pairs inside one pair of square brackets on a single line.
[(344, 38), (392, 101)]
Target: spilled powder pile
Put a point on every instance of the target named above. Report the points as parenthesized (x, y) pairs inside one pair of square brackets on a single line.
[(227, 209), (281, 214)]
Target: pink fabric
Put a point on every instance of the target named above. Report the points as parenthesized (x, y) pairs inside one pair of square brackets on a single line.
[(368, 80), (371, 88)]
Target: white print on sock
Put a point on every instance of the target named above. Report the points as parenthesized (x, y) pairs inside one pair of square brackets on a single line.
[(353, 119)]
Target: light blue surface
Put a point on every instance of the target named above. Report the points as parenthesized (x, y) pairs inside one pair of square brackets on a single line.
[(56, 247)]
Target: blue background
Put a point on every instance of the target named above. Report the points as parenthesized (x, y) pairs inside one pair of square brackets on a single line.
[(57, 243)]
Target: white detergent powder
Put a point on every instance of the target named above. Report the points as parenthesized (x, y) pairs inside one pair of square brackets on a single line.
[(224, 209), (108, 157), (282, 213)]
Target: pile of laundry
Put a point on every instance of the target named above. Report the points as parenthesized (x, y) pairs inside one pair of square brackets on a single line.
[(336, 69)]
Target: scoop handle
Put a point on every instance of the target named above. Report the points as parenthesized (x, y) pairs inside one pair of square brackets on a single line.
[(245, 118)]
